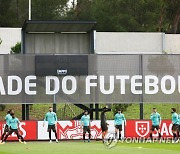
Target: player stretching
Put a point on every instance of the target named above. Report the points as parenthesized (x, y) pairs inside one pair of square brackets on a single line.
[(104, 124), (175, 122), (85, 121), (14, 125), (52, 121), (7, 126), (156, 122), (119, 119)]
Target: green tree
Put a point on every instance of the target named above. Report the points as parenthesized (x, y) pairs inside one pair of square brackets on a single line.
[(116, 107), (16, 49), (48, 9), (0, 41)]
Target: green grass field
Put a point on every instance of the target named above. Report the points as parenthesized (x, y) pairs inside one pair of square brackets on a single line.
[(94, 147)]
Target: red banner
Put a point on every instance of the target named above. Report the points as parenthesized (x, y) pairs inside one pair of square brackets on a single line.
[(28, 130), (141, 128)]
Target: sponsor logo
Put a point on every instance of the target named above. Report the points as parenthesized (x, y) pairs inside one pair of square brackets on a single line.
[(142, 128)]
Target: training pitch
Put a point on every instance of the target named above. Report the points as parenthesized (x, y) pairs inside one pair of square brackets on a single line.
[(94, 147)]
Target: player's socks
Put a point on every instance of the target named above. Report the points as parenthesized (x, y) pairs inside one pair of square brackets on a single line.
[(55, 134), (151, 136), (89, 136), (174, 137), (177, 134), (119, 135), (159, 136), (56, 140), (50, 135), (84, 136), (116, 135)]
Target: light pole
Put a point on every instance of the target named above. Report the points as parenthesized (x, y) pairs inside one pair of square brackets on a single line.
[(29, 9)]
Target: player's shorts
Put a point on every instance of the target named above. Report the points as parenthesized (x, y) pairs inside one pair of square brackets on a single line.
[(51, 127), (13, 130), (6, 129), (175, 127), (86, 129), (153, 127), (118, 127), (104, 127)]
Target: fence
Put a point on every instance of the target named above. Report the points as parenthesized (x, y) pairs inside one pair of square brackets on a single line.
[(110, 79)]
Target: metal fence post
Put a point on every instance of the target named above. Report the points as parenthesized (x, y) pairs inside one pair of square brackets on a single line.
[(141, 105)]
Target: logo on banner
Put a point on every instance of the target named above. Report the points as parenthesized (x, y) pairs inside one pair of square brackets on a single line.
[(142, 128)]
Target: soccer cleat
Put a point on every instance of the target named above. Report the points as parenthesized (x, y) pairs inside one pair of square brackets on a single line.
[(89, 140), (2, 142), (177, 141), (56, 140), (160, 140), (84, 141), (50, 141), (20, 141), (24, 142)]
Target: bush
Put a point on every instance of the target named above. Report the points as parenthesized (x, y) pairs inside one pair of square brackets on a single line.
[(0, 40), (123, 107), (2, 107), (16, 49)]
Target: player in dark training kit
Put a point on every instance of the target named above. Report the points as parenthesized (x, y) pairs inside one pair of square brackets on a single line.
[(8, 117), (156, 122), (175, 122), (52, 121), (119, 119), (85, 121), (14, 125), (104, 124)]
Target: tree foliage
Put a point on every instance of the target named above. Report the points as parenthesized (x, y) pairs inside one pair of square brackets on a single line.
[(111, 15), (16, 49)]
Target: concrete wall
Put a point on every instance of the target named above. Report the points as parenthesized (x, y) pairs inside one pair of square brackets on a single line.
[(172, 43), (105, 43), (136, 43), (9, 37)]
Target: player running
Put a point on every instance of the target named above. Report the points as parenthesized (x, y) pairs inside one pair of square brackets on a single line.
[(14, 125), (104, 124), (175, 122), (8, 117), (119, 119), (85, 121), (51, 117), (156, 122)]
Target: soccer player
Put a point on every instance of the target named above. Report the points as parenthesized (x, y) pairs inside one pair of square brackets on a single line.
[(119, 119), (51, 117), (156, 122), (85, 121), (175, 122), (14, 125), (8, 117), (104, 124), (178, 133)]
